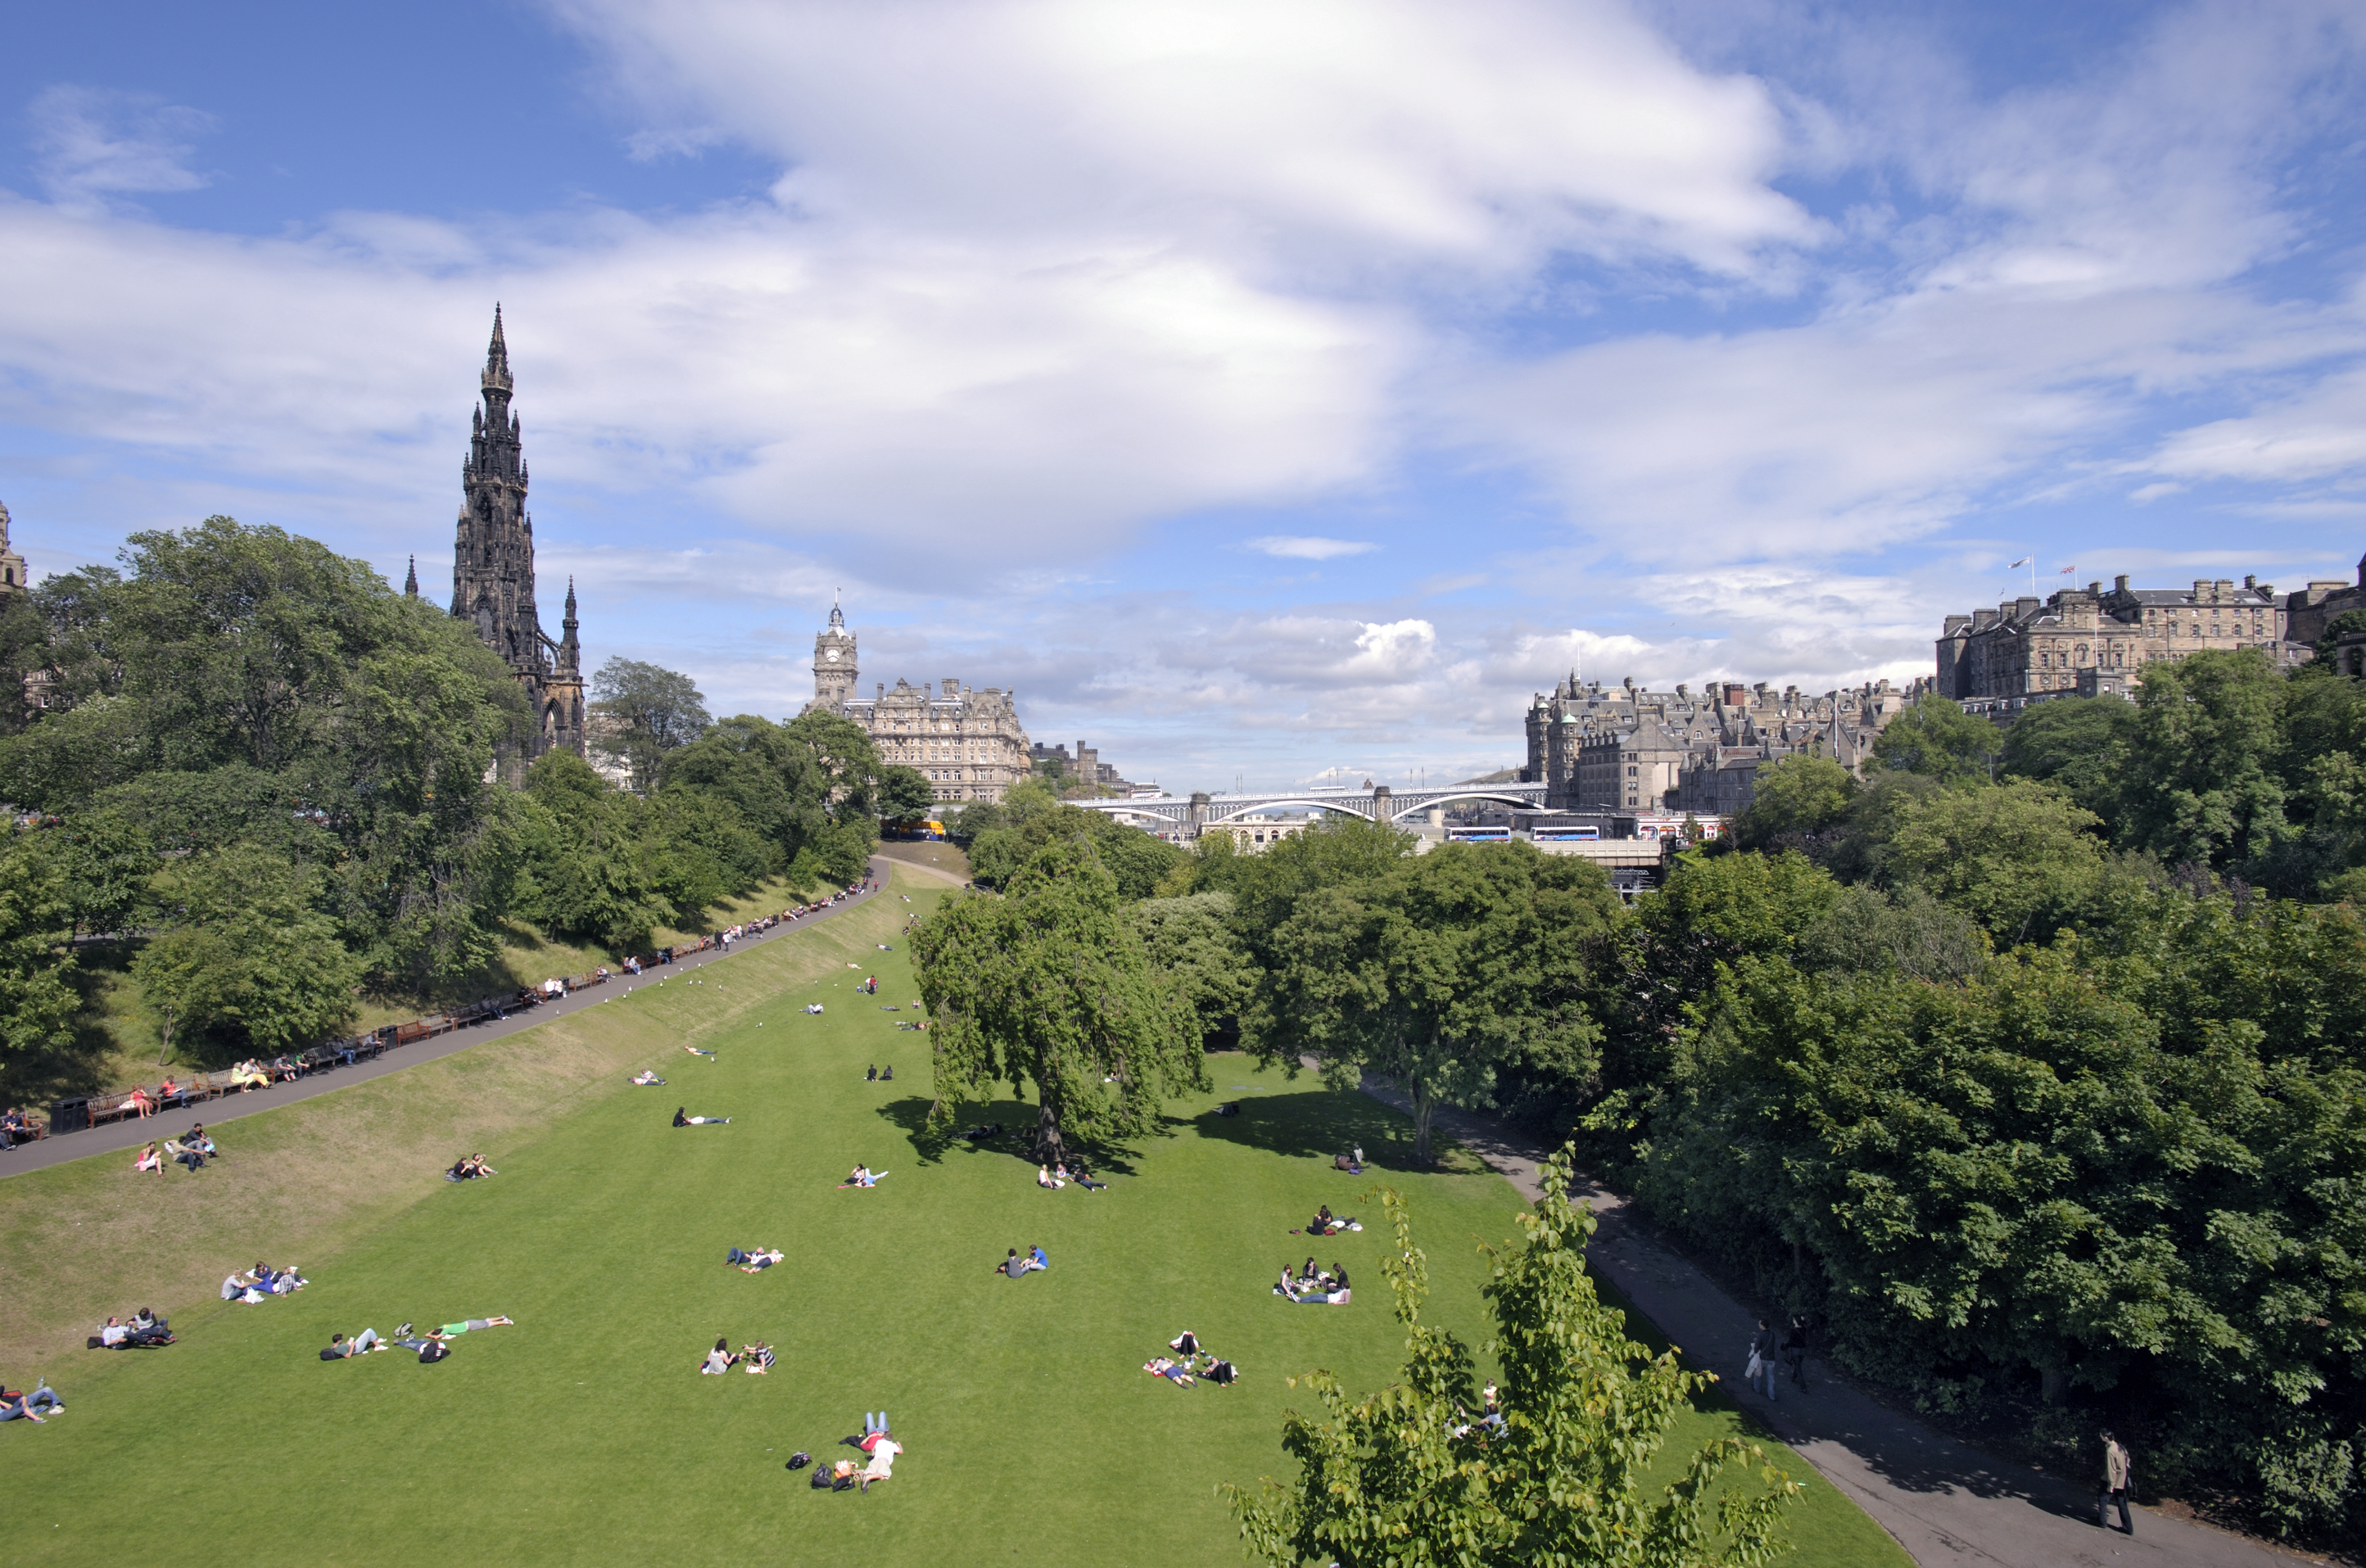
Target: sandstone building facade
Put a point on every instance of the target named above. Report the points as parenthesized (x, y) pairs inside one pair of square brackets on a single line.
[(492, 574), (968, 744), (2089, 641), (1628, 748)]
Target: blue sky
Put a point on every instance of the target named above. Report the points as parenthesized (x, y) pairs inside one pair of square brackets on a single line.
[(1267, 391)]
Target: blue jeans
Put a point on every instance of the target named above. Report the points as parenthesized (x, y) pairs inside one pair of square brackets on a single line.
[(873, 1423)]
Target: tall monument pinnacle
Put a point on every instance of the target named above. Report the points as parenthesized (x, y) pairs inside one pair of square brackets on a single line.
[(493, 568)]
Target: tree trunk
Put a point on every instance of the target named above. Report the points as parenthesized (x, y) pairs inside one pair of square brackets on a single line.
[(1423, 1102), (167, 1032), (2053, 1381), (1049, 1148)]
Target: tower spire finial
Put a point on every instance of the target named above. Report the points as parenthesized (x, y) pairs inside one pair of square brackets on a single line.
[(497, 356), (410, 582)]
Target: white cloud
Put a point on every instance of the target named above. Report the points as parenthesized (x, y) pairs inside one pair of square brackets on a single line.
[(1326, 132), (1308, 547), (94, 145)]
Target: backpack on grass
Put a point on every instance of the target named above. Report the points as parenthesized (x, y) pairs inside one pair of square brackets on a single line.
[(799, 1459)]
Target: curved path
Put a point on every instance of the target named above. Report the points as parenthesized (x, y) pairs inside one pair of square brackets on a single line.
[(132, 1132), (1946, 1502)]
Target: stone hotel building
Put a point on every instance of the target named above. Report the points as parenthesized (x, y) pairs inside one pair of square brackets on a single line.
[(2090, 641), (967, 743)]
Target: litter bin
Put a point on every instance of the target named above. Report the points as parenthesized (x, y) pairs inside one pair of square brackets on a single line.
[(69, 1115)]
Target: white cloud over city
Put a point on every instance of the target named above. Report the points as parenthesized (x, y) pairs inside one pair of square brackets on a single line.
[(1306, 382)]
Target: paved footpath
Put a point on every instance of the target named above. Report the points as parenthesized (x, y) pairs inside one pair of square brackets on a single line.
[(133, 1132), (1946, 1503)]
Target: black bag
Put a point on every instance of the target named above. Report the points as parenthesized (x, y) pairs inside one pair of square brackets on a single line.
[(799, 1459), (96, 1343), (820, 1479), (433, 1351), (332, 1355)]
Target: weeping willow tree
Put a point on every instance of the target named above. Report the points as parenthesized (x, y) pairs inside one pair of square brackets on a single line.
[(1410, 1476), (1047, 984)]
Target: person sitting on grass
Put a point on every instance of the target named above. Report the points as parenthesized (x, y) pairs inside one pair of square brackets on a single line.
[(1036, 1256), (1186, 1344), (648, 1079), (1014, 1265), (887, 1073), (470, 1168), (872, 1075), (151, 1158), (195, 1138), (681, 1121), (1043, 1178), (720, 1360), (754, 1262), (757, 1358), (1322, 1223), (862, 1176)]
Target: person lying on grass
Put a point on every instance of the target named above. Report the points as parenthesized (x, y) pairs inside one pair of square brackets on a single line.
[(1083, 1177), (681, 1121), (15, 1406), (468, 1169), (720, 1360), (983, 1131), (648, 1079), (362, 1344), (697, 1050), (862, 1176), (883, 1461), (469, 1325), (754, 1262), (1175, 1371)]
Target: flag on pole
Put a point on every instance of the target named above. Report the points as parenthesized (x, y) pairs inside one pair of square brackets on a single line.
[(2067, 570), (2025, 561)]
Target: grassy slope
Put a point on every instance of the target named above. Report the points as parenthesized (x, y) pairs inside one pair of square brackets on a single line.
[(584, 1436), (947, 857), (114, 1014)]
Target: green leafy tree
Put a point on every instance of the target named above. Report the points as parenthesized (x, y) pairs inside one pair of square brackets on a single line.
[(38, 1001), (355, 728), (247, 964), (1797, 795), (2076, 744), (647, 712), (2200, 782), (24, 652), (1332, 852), (1139, 861), (1047, 983), (906, 794), (1439, 973), (1194, 949), (1912, 935), (1934, 736), (2018, 856), (588, 870), (1405, 1478)]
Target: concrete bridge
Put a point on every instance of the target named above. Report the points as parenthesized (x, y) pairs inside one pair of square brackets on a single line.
[(1190, 813)]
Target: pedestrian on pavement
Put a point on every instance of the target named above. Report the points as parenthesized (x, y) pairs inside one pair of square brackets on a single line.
[(1761, 1372), (1795, 1351), (2115, 1486)]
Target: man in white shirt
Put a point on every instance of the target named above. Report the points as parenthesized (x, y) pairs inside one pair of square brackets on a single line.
[(883, 1461)]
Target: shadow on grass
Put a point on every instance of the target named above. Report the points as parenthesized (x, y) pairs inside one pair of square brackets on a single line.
[(1018, 1120), (1322, 1124)]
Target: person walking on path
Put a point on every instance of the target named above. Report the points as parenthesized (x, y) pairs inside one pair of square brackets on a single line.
[(1795, 1351), (1760, 1373), (2115, 1486)]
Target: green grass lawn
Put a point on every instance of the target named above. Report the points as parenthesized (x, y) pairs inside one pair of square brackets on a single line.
[(584, 1435)]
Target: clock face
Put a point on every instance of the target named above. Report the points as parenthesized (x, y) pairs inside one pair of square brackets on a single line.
[(831, 656)]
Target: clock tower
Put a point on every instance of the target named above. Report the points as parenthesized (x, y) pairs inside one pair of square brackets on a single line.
[(833, 661)]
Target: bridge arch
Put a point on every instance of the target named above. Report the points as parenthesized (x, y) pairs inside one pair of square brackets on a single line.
[(1238, 811), (1427, 800)]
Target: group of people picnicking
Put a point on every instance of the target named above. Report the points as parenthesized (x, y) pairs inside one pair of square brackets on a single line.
[(1018, 1264), (1312, 1286), (262, 1284), (757, 1357), (875, 1443), (1325, 1223), (470, 1168), (430, 1347), (143, 1330), (192, 1148), (1058, 1176), (1190, 1364)]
